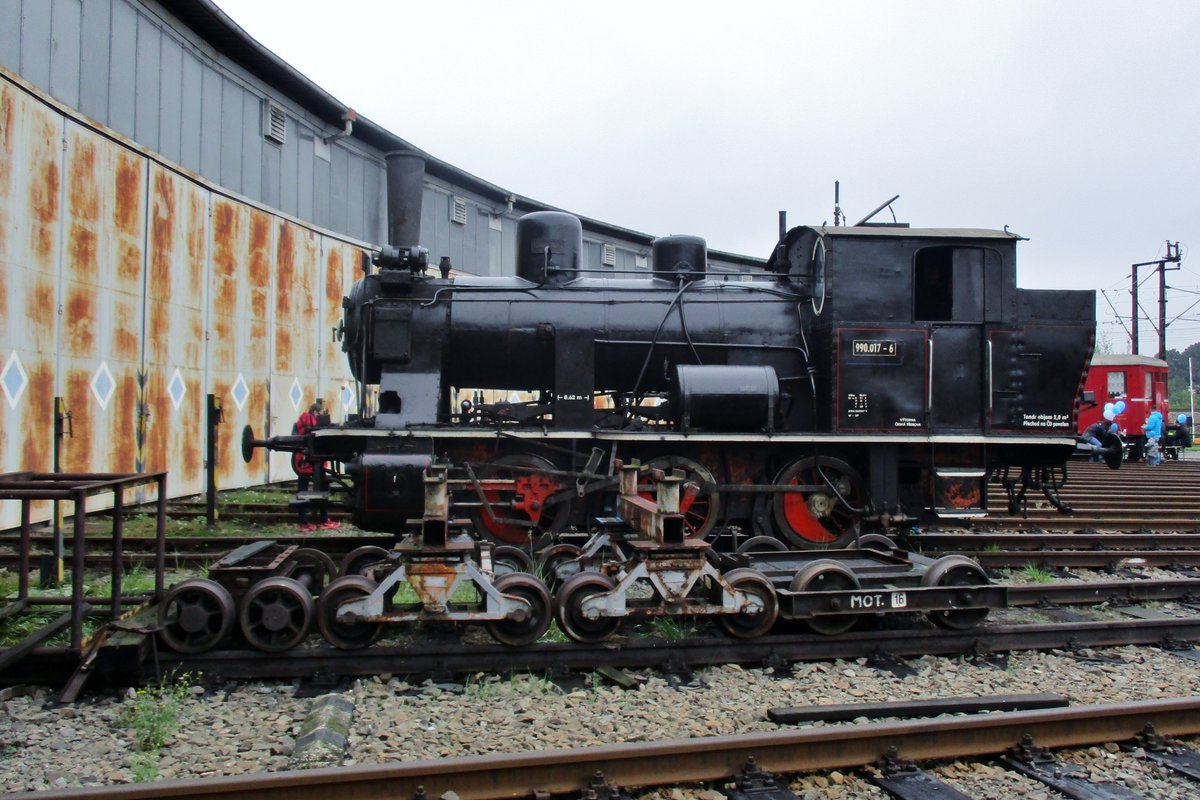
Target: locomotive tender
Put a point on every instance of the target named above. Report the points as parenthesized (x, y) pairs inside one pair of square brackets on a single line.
[(873, 375)]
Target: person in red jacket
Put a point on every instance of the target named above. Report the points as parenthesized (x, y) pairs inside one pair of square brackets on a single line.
[(304, 472)]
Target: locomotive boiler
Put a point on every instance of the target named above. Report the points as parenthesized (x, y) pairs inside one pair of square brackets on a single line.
[(871, 375)]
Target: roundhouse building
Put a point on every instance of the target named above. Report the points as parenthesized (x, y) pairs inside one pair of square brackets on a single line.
[(180, 215)]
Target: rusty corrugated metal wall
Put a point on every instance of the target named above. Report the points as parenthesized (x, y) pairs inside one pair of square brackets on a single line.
[(133, 288)]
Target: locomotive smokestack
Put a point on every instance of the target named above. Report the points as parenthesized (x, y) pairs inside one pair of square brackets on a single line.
[(405, 187)]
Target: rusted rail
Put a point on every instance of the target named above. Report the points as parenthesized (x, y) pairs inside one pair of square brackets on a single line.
[(686, 761)]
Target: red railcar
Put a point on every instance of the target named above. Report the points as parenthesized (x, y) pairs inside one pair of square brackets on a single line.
[(1138, 381)]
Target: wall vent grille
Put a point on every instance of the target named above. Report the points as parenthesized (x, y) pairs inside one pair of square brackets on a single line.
[(609, 256), (458, 210), (274, 122)]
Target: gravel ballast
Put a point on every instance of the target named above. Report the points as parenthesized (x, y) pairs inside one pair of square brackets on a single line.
[(252, 728)]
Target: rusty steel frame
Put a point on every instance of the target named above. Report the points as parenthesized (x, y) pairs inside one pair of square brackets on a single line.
[(680, 761), (77, 488)]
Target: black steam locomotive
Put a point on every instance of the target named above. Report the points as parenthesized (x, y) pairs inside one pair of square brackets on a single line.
[(873, 375)]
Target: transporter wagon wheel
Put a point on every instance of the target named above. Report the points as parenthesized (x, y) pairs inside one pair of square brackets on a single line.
[(507, 560), (312, 568), (346, 635), (360, 558), (699, 508), (529, 630), (762, 544), (826, 575), (745, 625), (526, 501), (825, 518), (956, 570), (877, 542), (570, 617), (552, 564), (195, 616), (277, 614)]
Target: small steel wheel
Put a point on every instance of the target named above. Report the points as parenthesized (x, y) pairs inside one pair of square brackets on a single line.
[(569, 601), (360, 558), (311, 567), (826, 575), (195, 616), (530, 629), (877, 542), (277, 614), (346, 635), (956, 570), (558, 564), (507, 560), (760, 544), (745, 625)]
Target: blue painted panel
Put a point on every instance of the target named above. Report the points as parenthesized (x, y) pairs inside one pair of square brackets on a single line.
[(94, 58), (122, 71), (66, 18), (272, 159)]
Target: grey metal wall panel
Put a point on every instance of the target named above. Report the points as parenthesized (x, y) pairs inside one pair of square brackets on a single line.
[(306, 179), (355, 206), (272, 157), (35, 44), (94, 59), (10, 35), (191, 110), (170, 111), (210, 123), (149, 79), (319, 189), (339, 179), (66, 19), (252, 145), (122, 72), (231, 135), (288, 177), (375, 201)]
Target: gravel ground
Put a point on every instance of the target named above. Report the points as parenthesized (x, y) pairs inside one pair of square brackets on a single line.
[(253, 727)]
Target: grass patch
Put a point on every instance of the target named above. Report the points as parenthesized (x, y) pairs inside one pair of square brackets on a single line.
[(673, 629), (554, 635), (488, 687), (153, 714), (1033, 573)]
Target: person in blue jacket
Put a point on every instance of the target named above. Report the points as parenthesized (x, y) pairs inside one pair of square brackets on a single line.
[(1154, 434)]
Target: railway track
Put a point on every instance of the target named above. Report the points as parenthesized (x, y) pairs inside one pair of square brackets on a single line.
[(687, 761), (1135, 497)]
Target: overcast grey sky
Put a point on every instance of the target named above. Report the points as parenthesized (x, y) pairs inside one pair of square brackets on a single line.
[(1074, 123)]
